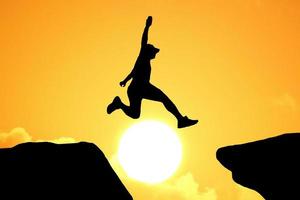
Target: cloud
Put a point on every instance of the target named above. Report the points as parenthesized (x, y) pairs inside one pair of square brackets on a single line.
[(61, 140), (20, 135), (184, 187), (248, 194), (286, 101), (15, 136)]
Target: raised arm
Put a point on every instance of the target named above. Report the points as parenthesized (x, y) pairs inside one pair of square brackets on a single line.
[(144, 44), (145, 33)]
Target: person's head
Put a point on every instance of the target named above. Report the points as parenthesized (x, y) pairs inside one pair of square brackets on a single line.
[(151, 51)]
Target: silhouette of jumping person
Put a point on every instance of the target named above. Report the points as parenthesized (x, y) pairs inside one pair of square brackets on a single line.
[(141, 88)]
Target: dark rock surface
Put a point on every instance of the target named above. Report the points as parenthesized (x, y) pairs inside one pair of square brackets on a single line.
[(58, 171), (270, 166)]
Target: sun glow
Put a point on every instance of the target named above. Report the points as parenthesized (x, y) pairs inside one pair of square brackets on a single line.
[(150, 152)]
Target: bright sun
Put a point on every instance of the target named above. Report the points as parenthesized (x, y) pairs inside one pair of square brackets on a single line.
[(150, 151)]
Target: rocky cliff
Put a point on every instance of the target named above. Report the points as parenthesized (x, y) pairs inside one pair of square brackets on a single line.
[(270, 166), (65, 171)]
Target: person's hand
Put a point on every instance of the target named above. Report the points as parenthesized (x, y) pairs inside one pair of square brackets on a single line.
[(149, 21), (122, 83)]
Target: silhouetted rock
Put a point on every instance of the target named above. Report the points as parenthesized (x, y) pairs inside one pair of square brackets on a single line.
[(52, 171), (270, 166)]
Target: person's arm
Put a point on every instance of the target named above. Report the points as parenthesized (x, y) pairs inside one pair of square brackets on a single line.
[(146, 30), (144, 43), (128, 77)]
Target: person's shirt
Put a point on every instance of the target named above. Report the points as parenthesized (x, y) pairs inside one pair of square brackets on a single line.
[(142, 70)]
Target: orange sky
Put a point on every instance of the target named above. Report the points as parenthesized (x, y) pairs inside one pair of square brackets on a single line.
[(234, 65)]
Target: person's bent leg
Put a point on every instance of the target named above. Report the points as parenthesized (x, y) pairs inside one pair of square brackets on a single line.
[(133, 111), (135, 100)]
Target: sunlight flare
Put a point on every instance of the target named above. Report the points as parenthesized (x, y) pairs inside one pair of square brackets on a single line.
[(150, 152)]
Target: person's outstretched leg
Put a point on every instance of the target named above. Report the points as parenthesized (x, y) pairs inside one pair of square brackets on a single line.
[(133, 110), (155, 94)]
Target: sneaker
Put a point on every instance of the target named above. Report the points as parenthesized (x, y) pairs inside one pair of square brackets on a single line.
[(114, 105), (185, 122)]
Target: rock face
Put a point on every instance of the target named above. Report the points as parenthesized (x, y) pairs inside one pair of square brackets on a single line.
[(66, 171), (270, 166)]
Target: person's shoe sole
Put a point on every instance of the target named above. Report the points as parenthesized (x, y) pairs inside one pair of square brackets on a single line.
[(110, 107), (191, 123)]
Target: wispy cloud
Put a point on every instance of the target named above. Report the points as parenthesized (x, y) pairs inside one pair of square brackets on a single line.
[(184, 187), (60, 140), (15, 136), (20, 135), (286, 101), (248, 194)]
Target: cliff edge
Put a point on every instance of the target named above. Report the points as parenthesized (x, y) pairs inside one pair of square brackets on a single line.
[(270, 166), (43, 170)]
